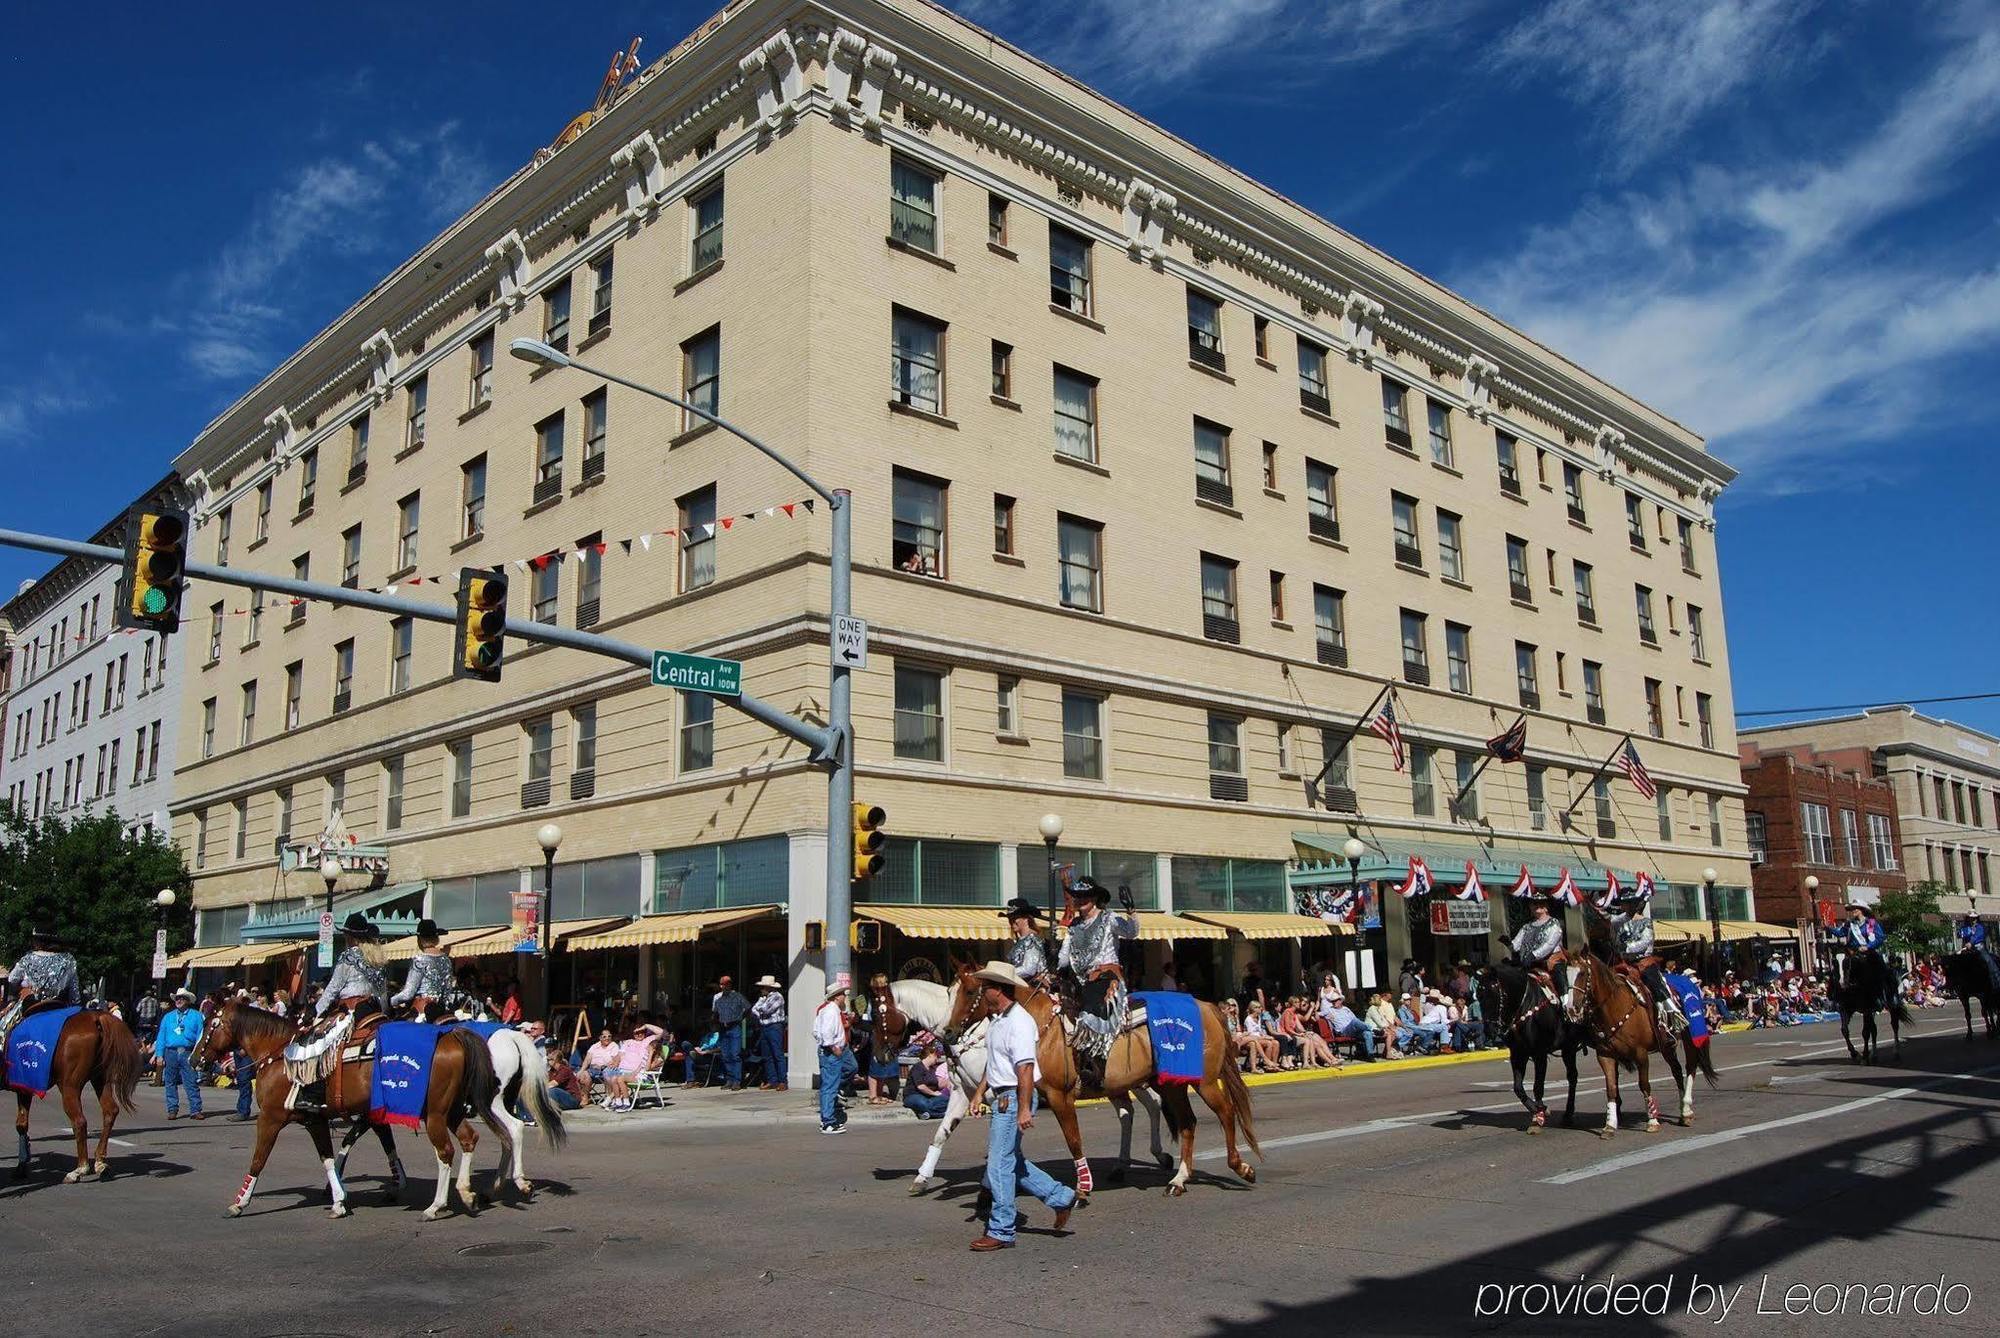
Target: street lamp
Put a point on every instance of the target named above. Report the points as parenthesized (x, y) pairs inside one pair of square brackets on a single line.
[(164, 899), (1812, 895), (549, 838), (840, 688), (1052, 828), (329, 869), (1708, 877)]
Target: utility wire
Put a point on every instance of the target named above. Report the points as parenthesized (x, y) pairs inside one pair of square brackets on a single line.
[(1871, 706)]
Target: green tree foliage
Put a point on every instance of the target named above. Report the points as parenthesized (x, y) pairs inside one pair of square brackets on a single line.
[(1913, 922), (89, 880)]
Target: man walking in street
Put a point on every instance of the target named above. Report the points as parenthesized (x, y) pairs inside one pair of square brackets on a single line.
[(147, 1011), (836, 1061), (729, 1008), (1011, 1074), (180, 1033), (769, 1010)]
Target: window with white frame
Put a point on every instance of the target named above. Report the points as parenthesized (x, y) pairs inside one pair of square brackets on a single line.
[(706, 214), (1439, 417), (918, 506), (1818, 833), (1076, 415), (1881, 841), (461, 777), (1080, 557), (264, 491), (1423, 781), (479, 371), (697, 731), (600, 295), (545, 591), (1069, 270), (596, 432), (919, 714), (392, 792), (1312, 377), (1395, 413), (416, 411), (913, 205), (472, 497), (402, 635), (1083, 735), (697, 537), (555, 316), (1451, 546), (1850, 835), (701, 373), (408, 516), (1458, 657), (1007, 706), (917, 361)]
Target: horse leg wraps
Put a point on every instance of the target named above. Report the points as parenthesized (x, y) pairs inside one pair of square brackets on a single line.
[(333, 1181), (243, 1194), (1083, 1182), (1652, 1109), (1611, 1114)]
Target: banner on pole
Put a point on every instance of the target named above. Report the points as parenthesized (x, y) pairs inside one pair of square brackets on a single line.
[(525, 926)]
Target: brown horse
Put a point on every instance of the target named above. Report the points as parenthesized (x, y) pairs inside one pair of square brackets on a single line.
[(96, 1048), (1614, 1011), (461, 1083), (1127, 1069)]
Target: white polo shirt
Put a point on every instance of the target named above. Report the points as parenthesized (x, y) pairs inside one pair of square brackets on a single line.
[(1010, 1042), (828, 1030)]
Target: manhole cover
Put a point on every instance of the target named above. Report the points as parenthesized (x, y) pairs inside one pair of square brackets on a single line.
[(506, 1249)]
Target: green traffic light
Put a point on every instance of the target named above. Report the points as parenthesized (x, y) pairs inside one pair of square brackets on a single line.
[(154, 602)]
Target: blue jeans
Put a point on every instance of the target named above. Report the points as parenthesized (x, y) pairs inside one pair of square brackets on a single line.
[(927, 1107), (1008, 1170), (1371, 1041), (1464, 1035), (562, 1098), (732, 1054), (239, 1074), (771, 1044), (177, 1072), (834, 1071)]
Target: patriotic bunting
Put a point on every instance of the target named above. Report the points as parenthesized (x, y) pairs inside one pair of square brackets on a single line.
[(1524, 886), (1566, 890), (1611, 889), (1419, 882), (1474, 890), (1642, 886)]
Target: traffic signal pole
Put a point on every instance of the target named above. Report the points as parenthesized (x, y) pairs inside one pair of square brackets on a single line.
[(840, 781)]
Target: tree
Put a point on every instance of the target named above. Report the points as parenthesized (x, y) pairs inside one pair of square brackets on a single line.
[(89, 880), (1913, 922)]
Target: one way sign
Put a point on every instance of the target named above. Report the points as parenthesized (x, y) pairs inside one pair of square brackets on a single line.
[(850, 642)]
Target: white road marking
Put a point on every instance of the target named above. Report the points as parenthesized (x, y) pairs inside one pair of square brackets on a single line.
[(1679, 1147), (115, 1142)]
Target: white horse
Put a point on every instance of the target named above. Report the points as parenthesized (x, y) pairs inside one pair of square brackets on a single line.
[(929, 1006), (523, 1073)]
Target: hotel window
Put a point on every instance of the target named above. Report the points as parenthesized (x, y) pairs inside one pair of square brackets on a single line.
[(919, 716), (1007, 706), (996, 219), (1593, 691), (701, 374), (301, 571), (589, 579), (540, 736), (1686, 527), (208, 728), (1664, 809), (1451, 551), (1277, 597), (697, 527), (913, 205), (1003, 370), (1697, 642), (402, 633), (600, 296), (416, 409), (917, 361), (1440, 430), (1655, 716), (1075, 415), (1270, 466), (1396, 414), (1204, 318), (596, 433), (1312, 378), (1458, 657), (1330, 625), (480, 372), (1226, 777), (350, 557), (1083, 735), (555, 316), (357, 449), (336, 793), (1643, 600), (247, 734), (1635, 520), (1881, 841), (284, 812), (1586, 598), (1465, 780), (1715, 821), (343, 676), (1506, 450), (1286, 765), (200, 839), (1334, 752), (707, 212), (1081, 557), (1818, 833), (917, 532), (1069, 271), (308, 479), (1003, 524), (545, 591), (295, 682), (392, 792), (214, 649), (461, 777), (583, 737), (472, 497), (264, 491), (1416, 656), (222, 520), (1322, 501), (1526, 677), (408, 516), (1218, 596), (697, 731), (1573, 492), (1211, 463), (1607, 825), (548, 458), (1850, 835), (1403, 515), (1518, 581), (1538, 802), (1423, 785)]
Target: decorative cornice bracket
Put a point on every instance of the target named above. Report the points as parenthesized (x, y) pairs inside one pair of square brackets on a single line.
[(1610, 442), (641, 158), (509, 255), (1363, 318), (380, 351), (1479, 374), (781, 82), (1147, 209)]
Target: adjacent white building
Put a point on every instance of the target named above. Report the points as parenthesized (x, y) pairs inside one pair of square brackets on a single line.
[(90, 712)]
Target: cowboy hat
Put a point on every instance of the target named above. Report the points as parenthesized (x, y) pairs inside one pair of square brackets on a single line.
[(357, 925), (183, 993), (1020, 908), (48, 936), (1857, 906), (1090, 887), (768, 982), (428, 929), (1001, 973), (834, 991)]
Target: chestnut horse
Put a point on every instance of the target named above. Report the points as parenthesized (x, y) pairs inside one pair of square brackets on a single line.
[(96, 1048), (1614, 1010), (461, 1083), (1128, 1068)]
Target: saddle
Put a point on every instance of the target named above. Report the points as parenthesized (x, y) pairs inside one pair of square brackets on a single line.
[(325, 1054)]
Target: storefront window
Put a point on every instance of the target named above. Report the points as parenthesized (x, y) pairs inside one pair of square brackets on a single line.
[(926, 872), (1207, 884), (733, 873), (1112, 868), (596, 889)]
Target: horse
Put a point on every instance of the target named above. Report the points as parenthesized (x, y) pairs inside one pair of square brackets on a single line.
[(1615, 1012), (1128, 1067), (96, 1048), (1966, 974), (461, 1078), (1535, 1030), (1864, 980), (521, 1073), (929, 1006)]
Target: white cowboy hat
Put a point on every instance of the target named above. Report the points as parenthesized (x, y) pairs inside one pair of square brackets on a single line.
[(183, 993), (768, 982), (1002, 973), (835, 991)]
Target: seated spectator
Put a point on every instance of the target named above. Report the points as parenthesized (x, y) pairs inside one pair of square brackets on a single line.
[(601, 1065), (1308, 1046), (1418, 1037), (1343, 1024), (1434, 1015), (1257, 1024), (1247, 1044), (1382, 1032), (1330, 994), (1464, 1028), (638, 1054), (708, 1045), (929, 1091), (567, 1090)]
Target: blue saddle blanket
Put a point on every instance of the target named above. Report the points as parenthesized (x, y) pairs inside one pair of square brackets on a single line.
[(402, 1077), (31, 1049), (1173, 1021), (483, 1030), (1692, 1004)]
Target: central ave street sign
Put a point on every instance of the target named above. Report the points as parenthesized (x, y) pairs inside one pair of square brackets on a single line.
[(697, 673)]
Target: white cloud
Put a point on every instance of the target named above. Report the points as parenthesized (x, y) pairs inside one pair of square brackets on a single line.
[(1656, 66), (48, 390), (1780, 308)]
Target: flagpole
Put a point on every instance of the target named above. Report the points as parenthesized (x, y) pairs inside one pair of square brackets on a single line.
[(1367, 714), (1562, 819), (1484, 762)]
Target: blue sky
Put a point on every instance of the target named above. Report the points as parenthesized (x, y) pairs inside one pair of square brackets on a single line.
[(1775, 220)]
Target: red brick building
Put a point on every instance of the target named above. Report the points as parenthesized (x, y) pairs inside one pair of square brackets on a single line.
[(1824, 815)]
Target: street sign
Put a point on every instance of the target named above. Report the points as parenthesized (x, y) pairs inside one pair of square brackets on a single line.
[(159, 954), (850, 642), (697, 673), (325, 939)]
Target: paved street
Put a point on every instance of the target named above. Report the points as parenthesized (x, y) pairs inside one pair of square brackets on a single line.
[(1395, 1202)]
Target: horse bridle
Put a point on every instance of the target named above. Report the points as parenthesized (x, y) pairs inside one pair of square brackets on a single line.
[(1590, 965)]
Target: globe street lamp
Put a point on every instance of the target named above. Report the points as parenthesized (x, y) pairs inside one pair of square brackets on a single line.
[(549, 838), (164, 899), (1812, 895), (1052, 829), (329, 869)]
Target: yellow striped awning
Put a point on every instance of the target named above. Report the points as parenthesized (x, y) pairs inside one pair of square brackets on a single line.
[(1165, 927), (1267, 924), (972, 924), (682, 927), (259, 954), (453, 943), (559, 933), (1733, 931), (209, 956)]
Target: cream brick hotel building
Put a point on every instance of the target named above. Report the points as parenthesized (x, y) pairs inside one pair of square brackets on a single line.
[(1158, 479)]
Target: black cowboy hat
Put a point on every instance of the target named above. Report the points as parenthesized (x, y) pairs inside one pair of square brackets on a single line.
[(48, 938), (1090, 887), (357, 925), (428, 929), (1020, 908)]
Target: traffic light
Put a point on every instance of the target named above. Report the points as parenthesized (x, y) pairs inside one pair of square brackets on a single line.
[(865, 935), (482, 624), (149, 589), (815, 936), (868, 840)]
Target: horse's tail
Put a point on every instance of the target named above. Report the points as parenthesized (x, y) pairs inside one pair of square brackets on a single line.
[(1701, 1060), (119, 1061), (1900, 1014), (480, 1084), (533, 1080), (1237, 1090)]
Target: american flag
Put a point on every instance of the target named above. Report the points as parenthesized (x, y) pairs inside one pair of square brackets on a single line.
[(1635, 771), (1385, 725), (1511, 745)]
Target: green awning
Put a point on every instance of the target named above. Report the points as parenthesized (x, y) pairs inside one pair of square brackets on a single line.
[(1319, 862), (305, 922)]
